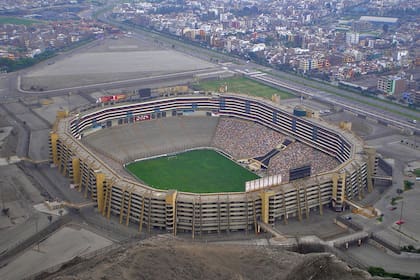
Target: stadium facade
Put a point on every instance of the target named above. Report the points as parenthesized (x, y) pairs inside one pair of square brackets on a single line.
[(173, 211)]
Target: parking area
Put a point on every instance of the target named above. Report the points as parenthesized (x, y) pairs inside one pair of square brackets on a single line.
[(322, 226)]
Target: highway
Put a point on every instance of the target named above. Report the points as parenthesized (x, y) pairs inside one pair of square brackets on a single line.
[(332, 99), (114, 84), (356, 103), (301, 87)]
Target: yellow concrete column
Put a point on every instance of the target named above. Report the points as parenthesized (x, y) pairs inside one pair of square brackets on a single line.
[(100, 178), (170, 199), (54, 152), (265, 205), (76, 170)]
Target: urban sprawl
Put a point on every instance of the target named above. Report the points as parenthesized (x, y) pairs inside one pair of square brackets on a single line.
[(369, 46)]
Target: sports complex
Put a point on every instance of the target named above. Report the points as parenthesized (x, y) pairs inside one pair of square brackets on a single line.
[(204, 163)]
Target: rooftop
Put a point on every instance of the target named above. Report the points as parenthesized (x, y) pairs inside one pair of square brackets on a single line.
[(379, 19)]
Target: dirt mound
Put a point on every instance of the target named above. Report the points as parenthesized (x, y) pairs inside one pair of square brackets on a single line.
[(326, 267), (165, 259)]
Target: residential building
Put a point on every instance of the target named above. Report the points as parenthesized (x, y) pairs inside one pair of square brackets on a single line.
[(391, 85)]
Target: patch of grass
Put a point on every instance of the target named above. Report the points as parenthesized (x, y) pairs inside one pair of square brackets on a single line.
[(244, 86), (395, 199), (329, 90), (410, 249), (408, 185), (200, 171), (417, 172), (18, 21), (379, 271)]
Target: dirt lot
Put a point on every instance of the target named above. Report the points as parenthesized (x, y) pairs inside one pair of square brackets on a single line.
[(61, 246), (107, 61), (163, 258), (17, 193), (8, 138)]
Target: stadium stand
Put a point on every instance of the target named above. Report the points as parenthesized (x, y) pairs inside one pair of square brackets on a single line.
[(133, 202), (245, 139), (296, 155), (154, 137)]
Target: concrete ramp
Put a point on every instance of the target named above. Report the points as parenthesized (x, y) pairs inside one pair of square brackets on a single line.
[(268, 228), (352, 239)]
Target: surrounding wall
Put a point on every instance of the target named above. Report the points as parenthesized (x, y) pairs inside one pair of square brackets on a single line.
[(202, 213)]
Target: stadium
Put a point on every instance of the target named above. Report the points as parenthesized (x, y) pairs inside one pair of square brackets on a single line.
[(300, 164)]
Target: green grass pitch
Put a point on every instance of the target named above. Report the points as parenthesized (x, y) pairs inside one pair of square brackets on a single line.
[(199, 171), (244, 86)]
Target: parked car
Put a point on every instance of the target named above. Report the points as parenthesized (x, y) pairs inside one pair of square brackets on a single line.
[(400, 222)]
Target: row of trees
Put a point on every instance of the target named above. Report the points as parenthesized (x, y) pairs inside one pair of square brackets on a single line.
[(10, 65), (379, 271)]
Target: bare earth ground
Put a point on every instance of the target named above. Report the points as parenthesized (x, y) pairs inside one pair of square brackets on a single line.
[(17, 194), (110, 60), (160, 258), (8, 138), (63, 245)]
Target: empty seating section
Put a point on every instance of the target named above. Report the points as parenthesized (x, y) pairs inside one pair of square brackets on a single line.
[(154, 137)]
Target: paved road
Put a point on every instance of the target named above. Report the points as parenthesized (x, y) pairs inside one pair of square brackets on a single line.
[(320, 95), (114, 85), (321, 91), (10, 85), (372, 256), (330, 88), (36, 222)]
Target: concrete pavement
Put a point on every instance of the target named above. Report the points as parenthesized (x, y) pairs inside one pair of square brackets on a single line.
[(373, 256), (62, 246)]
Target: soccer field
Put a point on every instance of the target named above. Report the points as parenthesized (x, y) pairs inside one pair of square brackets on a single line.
[(199, 171)]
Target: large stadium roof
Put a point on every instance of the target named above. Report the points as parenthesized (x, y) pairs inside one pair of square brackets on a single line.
[(379, 19)]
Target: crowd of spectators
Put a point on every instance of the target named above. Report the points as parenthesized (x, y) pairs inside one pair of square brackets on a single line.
[(244, 139), (298, 155)]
